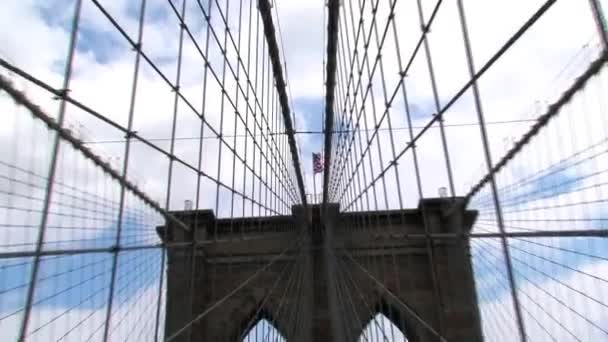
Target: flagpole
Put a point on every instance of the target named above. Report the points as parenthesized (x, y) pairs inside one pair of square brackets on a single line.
[(317, 167), (321, 172), (314, 186)]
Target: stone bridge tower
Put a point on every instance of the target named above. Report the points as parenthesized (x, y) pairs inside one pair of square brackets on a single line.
[(386, 256)]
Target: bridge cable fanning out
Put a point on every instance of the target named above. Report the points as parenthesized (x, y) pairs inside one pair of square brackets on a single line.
[(200, 229)]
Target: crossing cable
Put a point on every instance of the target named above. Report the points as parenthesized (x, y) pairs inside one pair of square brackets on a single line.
[(345, 37), (527, 201), (342, 314), (354, 317), (600, 22), (288, 288), (427, 50), (124, 174), (488, 159), (291, 287), (289, 92), (65, 134), (333, 14), (235, 290), (223, 48), (133, 135), (262, 305), (51, 174), (258, 47), (358, 87), (404, 305), (360, 158), (341, 275), (428, 242), (594, 68), (298, 279), (229, 99), (350, 279), (527, 277), (291, 326), (197, 206), (488, 292), (573, 160), (273, 51), (258, 100), (364, 224), (369, 225), (506, 46), (246, 71), (240, 65), (369, 87), (321, 132), (271, 207), (178, 74)]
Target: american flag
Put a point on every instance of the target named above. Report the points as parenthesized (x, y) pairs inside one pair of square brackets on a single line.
[(317, 163)]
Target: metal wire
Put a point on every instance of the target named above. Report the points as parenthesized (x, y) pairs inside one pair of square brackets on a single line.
[(556, 198), (202, 228), (108, 222)]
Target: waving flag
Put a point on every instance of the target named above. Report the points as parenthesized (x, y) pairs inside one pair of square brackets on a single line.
[(317, 163)]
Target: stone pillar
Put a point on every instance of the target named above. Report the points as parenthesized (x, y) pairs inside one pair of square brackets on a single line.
[(330, 221), (455, 278), (321, 316), (303, 220), (184, 292)]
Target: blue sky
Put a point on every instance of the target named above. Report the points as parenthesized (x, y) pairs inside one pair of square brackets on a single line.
[(105, 67), (311, 110), (87, 274)]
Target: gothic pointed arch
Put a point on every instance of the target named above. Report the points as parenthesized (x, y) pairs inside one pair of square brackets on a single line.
[(261, 323), (388, 323)]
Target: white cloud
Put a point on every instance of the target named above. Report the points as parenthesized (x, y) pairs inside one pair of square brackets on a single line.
[(550, 310), (133, 319), (104, 83)]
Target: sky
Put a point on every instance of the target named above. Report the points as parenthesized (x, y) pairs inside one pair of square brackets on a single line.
[(543, 183)]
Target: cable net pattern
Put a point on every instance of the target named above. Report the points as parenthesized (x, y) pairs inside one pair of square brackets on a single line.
[(164, 198)]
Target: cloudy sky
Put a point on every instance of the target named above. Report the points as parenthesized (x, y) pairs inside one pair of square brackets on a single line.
[(565, 166)]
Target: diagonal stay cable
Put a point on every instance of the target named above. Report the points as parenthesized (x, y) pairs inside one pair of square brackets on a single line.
[(294, 287), (37, 112), (505, 47), (246, 74), (395, 298), (594, 68), (121, 128), (287, 286), (342, 272), (250, 323), (235, 290), (273, 51), (330, 84)]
